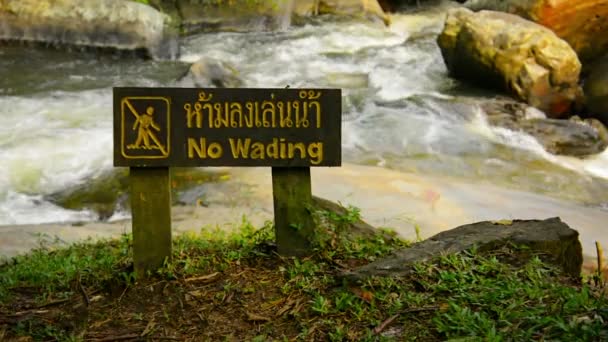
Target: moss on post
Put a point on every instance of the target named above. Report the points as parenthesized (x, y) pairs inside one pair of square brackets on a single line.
[(294, 224), (151, 211)]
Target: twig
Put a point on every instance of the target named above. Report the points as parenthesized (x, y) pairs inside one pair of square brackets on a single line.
[(115, 338), (384, 324), (206, 278), (55, 302), (134, 336), (420, 309), (391, 319), (87, 301), (123, 293), (600, 261)]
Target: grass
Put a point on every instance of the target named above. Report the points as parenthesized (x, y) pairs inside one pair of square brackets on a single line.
[(231, 286)]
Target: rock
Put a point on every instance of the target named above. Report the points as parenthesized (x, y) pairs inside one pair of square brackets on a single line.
[(339, 225), (574, 137), (208, 72), (233, 15), (554, 240), (116, 24), (109, 192), (370, 9), (103, 195), (503, 51), (567, 137), (582, 23), (596, 90), (248, 15), (358, 228)]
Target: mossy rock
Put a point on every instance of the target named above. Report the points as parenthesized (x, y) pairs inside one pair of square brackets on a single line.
[(551, 239), (110, 192), (101, 195)]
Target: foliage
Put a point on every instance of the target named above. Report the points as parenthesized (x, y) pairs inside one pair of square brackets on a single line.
[(231, 285), (53, 272)]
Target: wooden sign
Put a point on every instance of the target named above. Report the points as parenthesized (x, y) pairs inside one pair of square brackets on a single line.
[(227, 127), (289, 130)]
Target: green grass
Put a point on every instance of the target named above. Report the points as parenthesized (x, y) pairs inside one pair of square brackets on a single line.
[(235, 285), (52, 272)]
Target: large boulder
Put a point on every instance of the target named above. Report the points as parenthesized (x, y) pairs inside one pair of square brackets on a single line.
[(573, 137), (234, 15), (116, 24), (552, 239), (596, 90), (504, 51), (582, 23)]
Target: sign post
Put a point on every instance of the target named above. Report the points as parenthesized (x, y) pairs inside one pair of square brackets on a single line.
[(151, 216), (289, 130)]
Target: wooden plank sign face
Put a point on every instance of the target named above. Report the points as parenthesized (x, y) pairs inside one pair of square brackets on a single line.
[(162, 127)]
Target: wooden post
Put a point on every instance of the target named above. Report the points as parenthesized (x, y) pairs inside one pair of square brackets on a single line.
[(293, 223), (151, 211)]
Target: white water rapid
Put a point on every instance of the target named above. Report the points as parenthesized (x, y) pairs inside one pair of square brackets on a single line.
[(401, 111)]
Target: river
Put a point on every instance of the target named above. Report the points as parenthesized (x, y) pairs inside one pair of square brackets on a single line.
[(400, 111)]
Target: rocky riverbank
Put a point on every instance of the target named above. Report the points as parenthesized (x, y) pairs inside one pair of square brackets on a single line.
[(415, 206), (400, 111)]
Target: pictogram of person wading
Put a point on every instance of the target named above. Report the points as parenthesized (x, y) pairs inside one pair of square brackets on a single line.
[(144, 125)]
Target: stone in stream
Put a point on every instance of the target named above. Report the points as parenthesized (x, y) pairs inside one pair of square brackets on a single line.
[(114, 24), (573, 137), (209, 72), (551, 238), (505, 52), (109, 192)]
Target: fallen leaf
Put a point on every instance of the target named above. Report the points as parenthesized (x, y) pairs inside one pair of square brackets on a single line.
[(148, 328), (208, 277), (297, 307), (364, 295), (100, 323), (285, 308), (196, 293), (96, 298), (257, 318)]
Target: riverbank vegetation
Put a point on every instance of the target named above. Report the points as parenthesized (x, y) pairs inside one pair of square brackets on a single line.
[(233, 286)]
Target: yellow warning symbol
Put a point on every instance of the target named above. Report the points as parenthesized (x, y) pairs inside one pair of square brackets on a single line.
[(145, 127)]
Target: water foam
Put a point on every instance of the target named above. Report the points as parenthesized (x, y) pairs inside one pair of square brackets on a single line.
[(51, 142)]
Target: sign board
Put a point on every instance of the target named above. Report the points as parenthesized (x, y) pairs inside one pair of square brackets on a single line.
[(163, 127), (287, 129)]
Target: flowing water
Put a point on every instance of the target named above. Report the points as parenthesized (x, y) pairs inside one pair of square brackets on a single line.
[(400, 111)]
